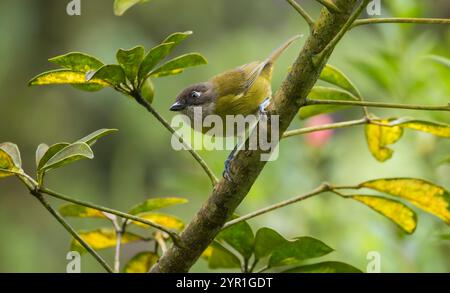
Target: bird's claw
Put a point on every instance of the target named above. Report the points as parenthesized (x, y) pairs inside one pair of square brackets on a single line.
[(227, 172)]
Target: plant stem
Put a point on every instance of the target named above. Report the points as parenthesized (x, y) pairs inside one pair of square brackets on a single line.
[(72, 231), (302, 12), (330, 46), (367, 21), (324, 127), (330, 6), (322, 188), (166, 124), (172, 235), (120, 229), (378, 105)]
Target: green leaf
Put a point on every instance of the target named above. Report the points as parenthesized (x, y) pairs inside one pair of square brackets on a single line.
[(298, 250), (102, 239), (266, 240), (220, 257), (155, 204), (325, 93), (130, 60), (167, 221), (178, 64), (65, 76), (76, 61), (177, 37), (438, 129), (153, 57), (240, 237), (93, 137), (40, 152), (141, 262), (325, 267), (112, 74), (69, 154), (440, 59), (77, 211), (148, 91), (379, 137), (13, 152), (50, 152), (120, 6), (395, 211), (423, 194), (334, 76)]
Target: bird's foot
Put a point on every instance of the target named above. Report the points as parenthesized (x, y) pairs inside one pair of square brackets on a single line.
[(227, 172)]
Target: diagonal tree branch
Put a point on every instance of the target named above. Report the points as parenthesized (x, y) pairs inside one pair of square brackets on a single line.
[(246, 165)]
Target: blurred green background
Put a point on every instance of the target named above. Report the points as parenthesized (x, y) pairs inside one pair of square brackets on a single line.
[(386, 63)]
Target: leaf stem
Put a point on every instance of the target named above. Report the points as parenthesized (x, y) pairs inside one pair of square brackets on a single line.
[(330, 6), (378, 105), (367, 21), (72, 231), (303, 13), (173, 235), (322, 188), (166, 124), (324, 127)]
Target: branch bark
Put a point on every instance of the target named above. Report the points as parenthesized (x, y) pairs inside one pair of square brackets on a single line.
[(246, 165)]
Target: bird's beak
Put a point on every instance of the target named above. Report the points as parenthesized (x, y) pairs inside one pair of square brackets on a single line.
[(177, 106)]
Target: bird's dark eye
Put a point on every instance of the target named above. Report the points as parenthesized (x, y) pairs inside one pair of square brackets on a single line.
[(195, 94)]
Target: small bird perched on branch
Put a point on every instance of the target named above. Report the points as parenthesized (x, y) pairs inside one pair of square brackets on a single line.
[(245, 90)]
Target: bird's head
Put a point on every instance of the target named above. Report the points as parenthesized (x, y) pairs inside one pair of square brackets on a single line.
[(197, 95)]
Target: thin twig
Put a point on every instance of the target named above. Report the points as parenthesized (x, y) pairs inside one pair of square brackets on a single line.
[(72, 231), (324, 127), (120, 229), (173, 235), (378, 105), (303, 13), (330, 6), (367, 21), (161, 242), (330, 46), (166, 124), (322, 188)]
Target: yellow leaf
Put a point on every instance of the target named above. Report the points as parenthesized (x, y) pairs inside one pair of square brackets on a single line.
[(77, 211), (379, 137), (438, 129), (64, 76), (396, 211), (425, 195), (102, 239), (164, 220), (7, 165), (141, 262), (208, 252)]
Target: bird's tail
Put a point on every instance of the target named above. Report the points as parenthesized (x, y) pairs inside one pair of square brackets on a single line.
[(277, 52)]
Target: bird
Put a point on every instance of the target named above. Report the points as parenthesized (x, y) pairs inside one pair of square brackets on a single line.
[(244, 90)]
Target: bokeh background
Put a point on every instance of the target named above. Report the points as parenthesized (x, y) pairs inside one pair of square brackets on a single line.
[(385, 61)]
